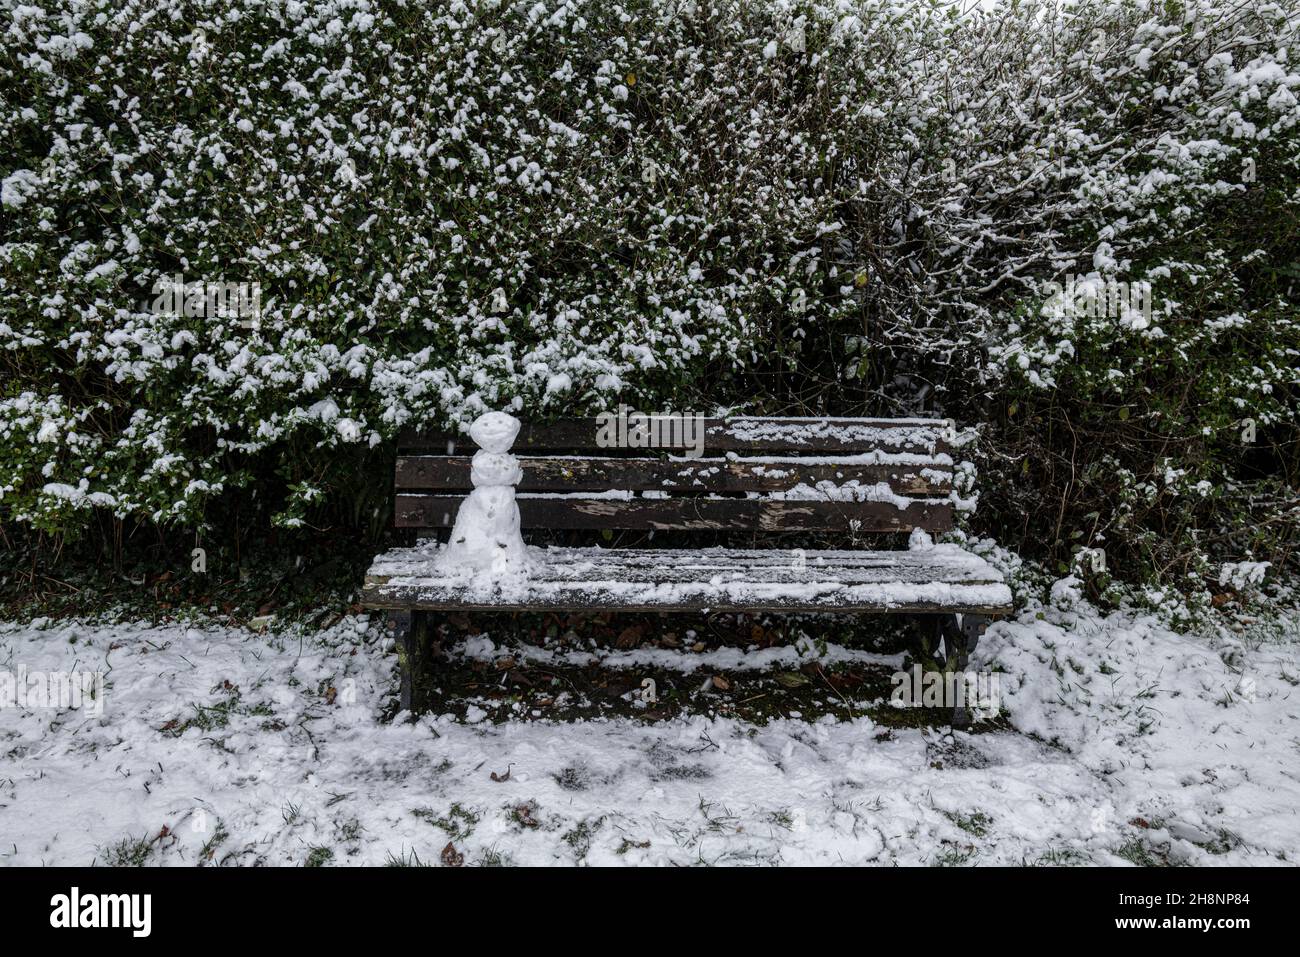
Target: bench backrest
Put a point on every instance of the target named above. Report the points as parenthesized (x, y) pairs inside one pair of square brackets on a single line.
[(754, 474)]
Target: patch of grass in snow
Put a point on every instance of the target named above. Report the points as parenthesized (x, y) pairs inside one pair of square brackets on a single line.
[(209, 850), (718, 819), (205, 718), (977, 823), (211, 717), (491, 857), (627, 844), (573, 779), (681, 772), (1059, 857), (953, 856), (458, 823), (405, 859), (1222, 842), (1135, 851), (749, 856), (579, 837), (524, 816), (128, 852), (318, 856), (349, 830), (781, 818)]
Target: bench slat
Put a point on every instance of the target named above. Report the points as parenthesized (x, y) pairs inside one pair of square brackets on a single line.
[(942, 579), (677, 476), (765, 515), (735, 434), (704, 564)]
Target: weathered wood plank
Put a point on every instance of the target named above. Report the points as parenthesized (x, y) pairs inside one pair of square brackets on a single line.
[(971, 600), (944, 579), (793, 567), (940, 563), (445, 473), (764, 515), (735, 434)]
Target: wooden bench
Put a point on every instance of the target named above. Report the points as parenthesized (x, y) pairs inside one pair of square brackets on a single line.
[(856, 479)]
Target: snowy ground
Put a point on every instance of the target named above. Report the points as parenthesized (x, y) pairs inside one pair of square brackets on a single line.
[(1127, 743)]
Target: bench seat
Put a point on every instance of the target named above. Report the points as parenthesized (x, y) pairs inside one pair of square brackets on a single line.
[(940, 579)]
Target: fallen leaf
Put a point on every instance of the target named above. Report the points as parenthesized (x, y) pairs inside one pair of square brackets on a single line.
[(452, 857), (630, 636)]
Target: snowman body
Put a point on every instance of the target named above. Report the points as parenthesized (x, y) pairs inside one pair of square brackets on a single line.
[(485, 539)]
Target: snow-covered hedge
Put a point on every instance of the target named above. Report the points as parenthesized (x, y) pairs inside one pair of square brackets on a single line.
[(431, 208)]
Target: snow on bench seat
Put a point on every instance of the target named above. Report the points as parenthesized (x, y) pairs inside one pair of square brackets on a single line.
[(944, 578)]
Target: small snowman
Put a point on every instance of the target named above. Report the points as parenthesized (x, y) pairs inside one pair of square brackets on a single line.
[(485, 538)]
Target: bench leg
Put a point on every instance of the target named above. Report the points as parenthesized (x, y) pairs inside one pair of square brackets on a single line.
[(958, 635), (961, 635), (415, 652)]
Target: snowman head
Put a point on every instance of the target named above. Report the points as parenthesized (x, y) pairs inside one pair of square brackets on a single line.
[(494, 431)]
